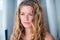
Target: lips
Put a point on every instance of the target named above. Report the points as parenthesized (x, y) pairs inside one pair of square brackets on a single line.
[(27, 22)]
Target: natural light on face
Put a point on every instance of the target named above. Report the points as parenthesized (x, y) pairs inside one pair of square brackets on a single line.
[(26, 16)]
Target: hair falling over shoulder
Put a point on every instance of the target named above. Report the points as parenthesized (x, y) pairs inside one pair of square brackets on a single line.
[(37, 22)]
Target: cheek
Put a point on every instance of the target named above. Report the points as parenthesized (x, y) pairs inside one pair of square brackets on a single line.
[(30, 18), (21, 18)]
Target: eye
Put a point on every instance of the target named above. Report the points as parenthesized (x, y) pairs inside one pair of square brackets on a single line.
[(30, 14), (21, 13)]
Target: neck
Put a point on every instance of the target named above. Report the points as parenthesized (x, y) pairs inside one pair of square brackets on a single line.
[(28, 31), (28, 34)]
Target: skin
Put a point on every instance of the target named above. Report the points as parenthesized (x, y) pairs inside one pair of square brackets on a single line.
[(49, 36), (26, 17)]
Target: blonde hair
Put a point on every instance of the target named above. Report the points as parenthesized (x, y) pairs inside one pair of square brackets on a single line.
[(37, 22)]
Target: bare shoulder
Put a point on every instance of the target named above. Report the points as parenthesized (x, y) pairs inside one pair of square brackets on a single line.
[(49, 36), (11, 37)]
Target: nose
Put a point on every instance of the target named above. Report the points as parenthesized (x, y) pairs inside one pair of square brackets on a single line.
[(26, 18)]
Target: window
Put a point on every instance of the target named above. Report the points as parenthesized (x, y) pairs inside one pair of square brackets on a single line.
[(2, 37), (1, 4)]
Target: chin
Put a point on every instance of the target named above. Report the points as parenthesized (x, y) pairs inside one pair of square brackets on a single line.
[(27, 26)]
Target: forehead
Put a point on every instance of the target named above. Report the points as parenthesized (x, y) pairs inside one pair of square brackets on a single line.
[(26, 9)]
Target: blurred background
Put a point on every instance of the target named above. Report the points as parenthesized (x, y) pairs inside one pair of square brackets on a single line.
[(51, 10)]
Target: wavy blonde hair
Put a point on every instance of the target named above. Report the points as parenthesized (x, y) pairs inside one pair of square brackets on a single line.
[(37, 22)]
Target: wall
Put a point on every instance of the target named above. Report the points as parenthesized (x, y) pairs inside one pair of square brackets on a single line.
[(11, 7), (58, 16)]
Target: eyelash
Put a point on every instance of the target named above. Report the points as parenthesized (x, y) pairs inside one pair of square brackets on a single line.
[(30, 14), (21, 14)]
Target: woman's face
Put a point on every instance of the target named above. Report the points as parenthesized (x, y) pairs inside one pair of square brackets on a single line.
[(26, 16)]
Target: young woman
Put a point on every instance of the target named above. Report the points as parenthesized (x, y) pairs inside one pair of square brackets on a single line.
[(29, 22)]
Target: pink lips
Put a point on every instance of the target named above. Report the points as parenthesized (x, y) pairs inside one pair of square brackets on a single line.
[(26, 22)]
